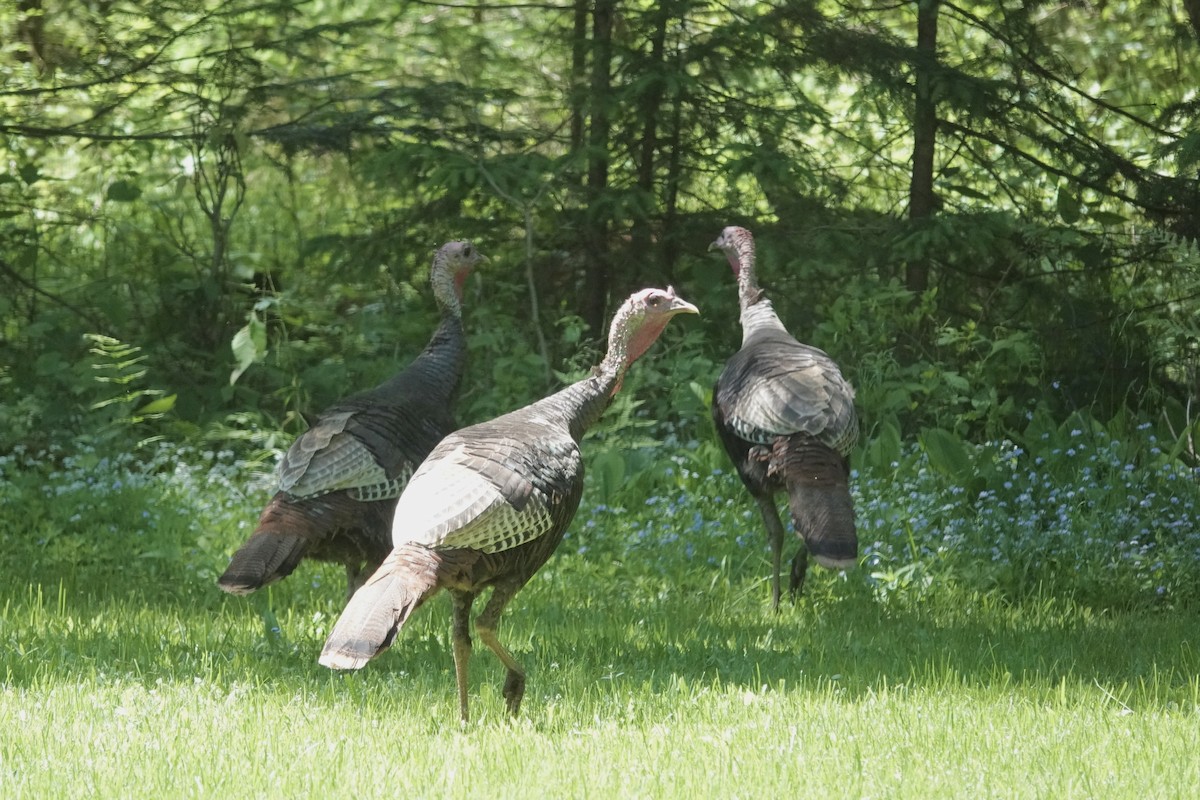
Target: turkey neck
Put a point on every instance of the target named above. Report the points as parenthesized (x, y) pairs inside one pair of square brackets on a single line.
[(440, 366), (447, 286), (583, 402), (757, 312), (578, 406), (446, 352)]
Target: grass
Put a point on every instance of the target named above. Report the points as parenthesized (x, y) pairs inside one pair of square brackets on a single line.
[(656, 667)]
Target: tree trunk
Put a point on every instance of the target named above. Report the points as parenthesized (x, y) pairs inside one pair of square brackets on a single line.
[(596, 281), (1192, 7), (578, 98), (651, 101), (674, 178), (921, 200), (31, 27)]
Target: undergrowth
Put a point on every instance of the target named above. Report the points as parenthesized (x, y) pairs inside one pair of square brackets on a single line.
[(1108, 523)]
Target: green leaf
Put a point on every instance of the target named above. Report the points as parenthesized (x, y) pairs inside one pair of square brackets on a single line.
[(885, 447), (1069, 206), (956, 381), (29, 173), (947, 453), (160, 406), (123, 192), (249, 345)]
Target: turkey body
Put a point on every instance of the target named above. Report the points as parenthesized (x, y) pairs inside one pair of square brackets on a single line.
[(339, 481), (488, 508), (786, 417)]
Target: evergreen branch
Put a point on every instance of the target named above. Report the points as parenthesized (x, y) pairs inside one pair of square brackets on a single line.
[(1036, 67), (1040, 163)]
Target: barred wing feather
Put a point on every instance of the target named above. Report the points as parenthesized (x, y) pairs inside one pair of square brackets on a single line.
[(326, 458), (472, 495)]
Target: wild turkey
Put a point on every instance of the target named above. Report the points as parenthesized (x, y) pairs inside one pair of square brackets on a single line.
[(786, 417), (489, 506), (339, 481)]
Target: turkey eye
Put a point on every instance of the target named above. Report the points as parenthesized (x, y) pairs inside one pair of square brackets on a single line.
[(655, 301), (467, 251)]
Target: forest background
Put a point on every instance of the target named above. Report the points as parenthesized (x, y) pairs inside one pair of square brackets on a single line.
[(979, 210), (217, 217)]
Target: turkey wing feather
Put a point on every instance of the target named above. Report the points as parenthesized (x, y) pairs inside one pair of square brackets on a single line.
[(487, 493), (779, 388), (337, 453), (325, 459)]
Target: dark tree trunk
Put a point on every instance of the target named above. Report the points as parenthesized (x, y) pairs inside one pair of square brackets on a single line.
[(921, 200), (651, 101), (578, 98), (596, 281), (673, 179), (31, 27), (1192, 7)]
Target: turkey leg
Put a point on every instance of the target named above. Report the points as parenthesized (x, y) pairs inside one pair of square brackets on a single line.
[(461, 634), (775, 534), (485, 626)]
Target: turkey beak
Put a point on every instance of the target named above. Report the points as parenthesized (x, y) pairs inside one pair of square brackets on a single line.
[(681, 306), (715, 246)]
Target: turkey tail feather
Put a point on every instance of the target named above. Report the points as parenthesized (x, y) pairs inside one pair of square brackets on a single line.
[(818, 490), (377, 611), (271, 552)]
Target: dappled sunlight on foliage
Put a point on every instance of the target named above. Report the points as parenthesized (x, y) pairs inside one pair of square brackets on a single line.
[(262, 207)]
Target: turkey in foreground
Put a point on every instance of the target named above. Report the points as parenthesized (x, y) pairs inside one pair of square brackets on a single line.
[(339, 481), (489, 506), (786, 417)]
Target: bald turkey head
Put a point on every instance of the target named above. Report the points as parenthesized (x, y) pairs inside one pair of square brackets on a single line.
[(642, 318), (738, 246)]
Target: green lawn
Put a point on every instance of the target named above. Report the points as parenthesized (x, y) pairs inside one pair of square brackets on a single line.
[(656, 669), (635, 689)]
